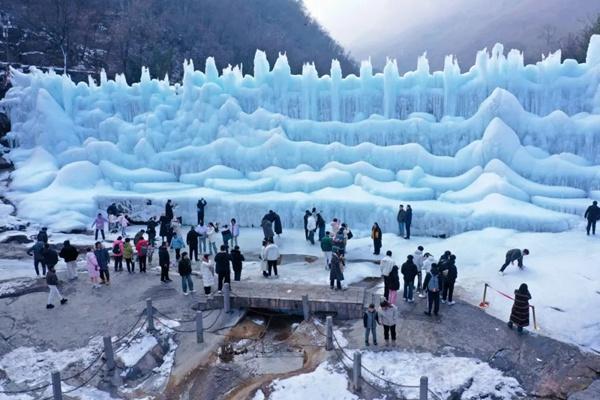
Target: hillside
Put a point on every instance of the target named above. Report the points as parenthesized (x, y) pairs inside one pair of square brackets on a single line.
[(123, 35)]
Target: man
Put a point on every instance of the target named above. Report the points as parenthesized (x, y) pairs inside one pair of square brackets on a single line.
[(164, 260), (52, 282), (320, 225), (401, 217), (223, 268), (409, 272), (433, 285), (50, 256), (200, 211), (192, 242), (386, 264), (272, 255), (449, 280), (201, 232), (327, 247), (311, 226), (37, 251), (512, 256), (151, 229), (592, 214), (69, 254), (307, 215), (185, 271), (418, 260), (408, 221), (237, 261), (103, 259), (42, 235)]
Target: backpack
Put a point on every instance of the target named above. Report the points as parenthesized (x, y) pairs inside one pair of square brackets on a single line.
[(143, 250), (433, 285), (116, 249), (350, 235)]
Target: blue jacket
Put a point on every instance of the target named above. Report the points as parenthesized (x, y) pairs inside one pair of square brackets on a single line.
[(103, 258), (177, 243)]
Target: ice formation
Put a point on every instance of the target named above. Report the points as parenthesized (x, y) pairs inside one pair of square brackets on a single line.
[(504, 144)]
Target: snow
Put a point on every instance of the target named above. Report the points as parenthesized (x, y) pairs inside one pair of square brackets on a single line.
[(503, 134), (137, 349)]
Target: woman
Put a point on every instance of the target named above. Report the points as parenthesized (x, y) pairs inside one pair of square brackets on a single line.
[(177, 244), (92, 267), (128, 255), (519, 315), (376, 236), (388, 317), (235, 231), (336, 273), (263, 259), (207, 270), (211, 233), (394, 284)]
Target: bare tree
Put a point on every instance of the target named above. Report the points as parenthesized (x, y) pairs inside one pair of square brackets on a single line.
[(548, 36)]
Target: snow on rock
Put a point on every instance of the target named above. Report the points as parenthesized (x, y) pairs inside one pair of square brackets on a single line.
[(137, 349)]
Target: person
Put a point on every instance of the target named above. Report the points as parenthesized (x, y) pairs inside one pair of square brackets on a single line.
[(200, 210), (112, 210), (124, 223), (164, 260), (336, 271), (185, 271), (320, 225), (272, 255), (307, 215), (128, 255), (267, 227), (592, 214), (376, 236), (519, 314), (407, 221), (165, 226), (169, 210), (117, 251), (151, 229), (237, 260), (50, 256), (385, 265), (277, 224), (192, 241), (99, 224), (37, 251), (339, 241), (263, 259), (177, 244), (207, 269), (52, 282), (113, 224), (418, 260), (138, 236), (388, 317), (42, 235), (326, 248), (92, 266), (149, 255), (142, 250), (311, 226), (211, 234), (512, 256), (102, 257), (409, 272), (222, 268), (227, 236), (201, 231), (393, 284), (401, 217), (335, 225), (69, 253), (428, 261), (444, 259), (449, 281), (235, 232), (370, 322), (433, 284)]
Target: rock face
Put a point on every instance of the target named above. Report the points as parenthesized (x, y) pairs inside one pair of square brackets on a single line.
[(591, 393), (4, 124)]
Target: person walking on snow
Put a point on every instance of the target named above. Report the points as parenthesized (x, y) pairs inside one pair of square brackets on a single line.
[(177, 244), (211, 234), (409, 272), (519, 314), (326, 248), (69, 253), (99, 223), (272, 256), (592, 214), (200, 210), (143, 248), (407, 221), (376, 236), (401, 218), (92, 267), (103, 259), (185, 271), (128, 255), (223, 268), (433, 284), (117, 251), (207, 270), (37, 251), (512, 256), (52, 282), (164, 260), (235, 232), (393, 285), (450, 275), (385, 265), (370, 322), (311, 226), (418, 260), (237, 261), (336, 272), (388, 317), (192, 241)]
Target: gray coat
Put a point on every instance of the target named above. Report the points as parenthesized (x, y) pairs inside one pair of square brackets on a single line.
[(267, 227), (336, 268)]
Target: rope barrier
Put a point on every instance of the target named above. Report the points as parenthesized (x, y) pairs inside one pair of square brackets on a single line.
[(484, 303)]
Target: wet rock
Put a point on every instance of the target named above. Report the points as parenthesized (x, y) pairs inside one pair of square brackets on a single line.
[(5, 164), (4, 124), (18, 238)]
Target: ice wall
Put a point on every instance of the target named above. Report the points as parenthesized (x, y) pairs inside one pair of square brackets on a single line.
[(477, 145)]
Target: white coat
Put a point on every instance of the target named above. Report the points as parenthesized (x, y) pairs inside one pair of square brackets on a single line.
[(212, 234), (207, 271), (386, 264), (272, 252)]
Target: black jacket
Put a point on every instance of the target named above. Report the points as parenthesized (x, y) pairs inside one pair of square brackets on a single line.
[(394, 279), (185, 267), (408, 216), (428, 278), (163, 256), (42, 236), (277, 225), (452, 272), (192, 238), (169, 211), (236, 259), (592, 213), (409, 271), (68, 253), (50, 257), (51, 278), (222, 265)]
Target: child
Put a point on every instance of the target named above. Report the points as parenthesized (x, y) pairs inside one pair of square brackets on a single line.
[(128, 255), (92, 267), (370, 321), (185, 271), (52, 282), (207, 269)]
